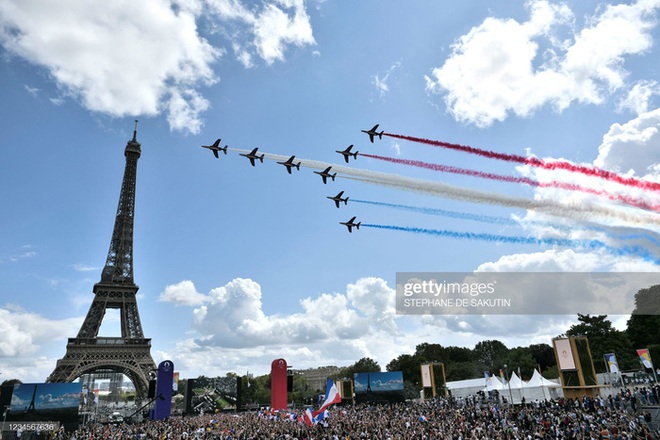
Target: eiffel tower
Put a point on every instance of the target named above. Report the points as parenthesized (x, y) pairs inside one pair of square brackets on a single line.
[(129, 354)]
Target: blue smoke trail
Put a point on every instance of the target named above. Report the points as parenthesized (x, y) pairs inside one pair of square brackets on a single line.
[(504, 220), (444, 213), (563, 242)]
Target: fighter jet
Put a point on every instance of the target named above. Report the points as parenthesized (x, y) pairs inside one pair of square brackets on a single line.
[(347, 153), (373, 133), (216, 147), (253, 155), (289, 164), (338, 199), (325, 174), (350, 224)]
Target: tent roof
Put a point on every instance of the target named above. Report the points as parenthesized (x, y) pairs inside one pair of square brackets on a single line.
[(537, 381), (514, 381), (467, 383), (493, 383)]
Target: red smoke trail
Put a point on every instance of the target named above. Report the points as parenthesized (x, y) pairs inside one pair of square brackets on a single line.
[(524, 180), (539, 163)]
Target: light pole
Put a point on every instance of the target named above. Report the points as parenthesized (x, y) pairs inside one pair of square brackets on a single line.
[(4, 421), (522, 395), (508, 382)]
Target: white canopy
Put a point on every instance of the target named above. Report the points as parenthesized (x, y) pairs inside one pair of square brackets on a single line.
[(493, 383), (515, 382), (539, 381), (464, 388), (537, 388)]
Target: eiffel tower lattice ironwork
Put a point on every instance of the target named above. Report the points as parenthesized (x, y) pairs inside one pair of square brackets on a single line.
[(129, 354)]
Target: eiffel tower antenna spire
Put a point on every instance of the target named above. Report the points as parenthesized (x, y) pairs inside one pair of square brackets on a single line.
[(119, 264)]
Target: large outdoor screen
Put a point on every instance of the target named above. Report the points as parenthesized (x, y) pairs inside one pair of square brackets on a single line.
[(379, 387), (46, 402), (210, 395)]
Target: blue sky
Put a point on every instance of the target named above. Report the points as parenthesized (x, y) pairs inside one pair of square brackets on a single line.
[(240, 265)]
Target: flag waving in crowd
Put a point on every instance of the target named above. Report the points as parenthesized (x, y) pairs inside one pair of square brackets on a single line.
[(331, 397)]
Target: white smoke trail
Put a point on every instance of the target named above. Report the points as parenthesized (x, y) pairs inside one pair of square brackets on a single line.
[(577, 211)]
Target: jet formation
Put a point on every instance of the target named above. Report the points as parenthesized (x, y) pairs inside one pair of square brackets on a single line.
[(253, 156), (215, 148)]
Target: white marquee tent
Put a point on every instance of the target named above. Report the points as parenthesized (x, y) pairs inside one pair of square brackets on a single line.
[(537, 388)]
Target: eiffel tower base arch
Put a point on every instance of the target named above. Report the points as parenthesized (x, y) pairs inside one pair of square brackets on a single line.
[(131, 357)]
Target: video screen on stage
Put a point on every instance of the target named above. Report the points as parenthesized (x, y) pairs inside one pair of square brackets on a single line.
[(46, 402), (379, 387), (213, 394)]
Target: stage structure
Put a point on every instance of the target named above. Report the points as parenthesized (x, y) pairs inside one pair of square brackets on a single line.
[(130, 353), (428, 378), (576, 367)]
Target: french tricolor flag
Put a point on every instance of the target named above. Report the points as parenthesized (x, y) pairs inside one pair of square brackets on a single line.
[(308, 418), (331, 395)]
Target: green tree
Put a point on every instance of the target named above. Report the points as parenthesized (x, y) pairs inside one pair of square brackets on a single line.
[(644, 322), (431, 352), (409, 365), (521, 361), (603, 338), (551, 372), (457, 354), (364, 365), (462, 371), (544, 355), (259, 391), (11, 382), (490, 354), (301, 393)]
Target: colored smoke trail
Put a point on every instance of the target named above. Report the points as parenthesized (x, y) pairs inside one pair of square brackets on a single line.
[(577, 211), (511, 179), (636, 251), (507, 221), (443, 213), (539, 163)]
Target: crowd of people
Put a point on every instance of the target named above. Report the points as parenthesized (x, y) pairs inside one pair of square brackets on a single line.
[(611, 417)]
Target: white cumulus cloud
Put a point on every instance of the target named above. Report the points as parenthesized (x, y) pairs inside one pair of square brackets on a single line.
[(183, 293), (119, 58), (264, 31), (633, 147), (639, 97), (504, 67), (123, 58), (338, 327)]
